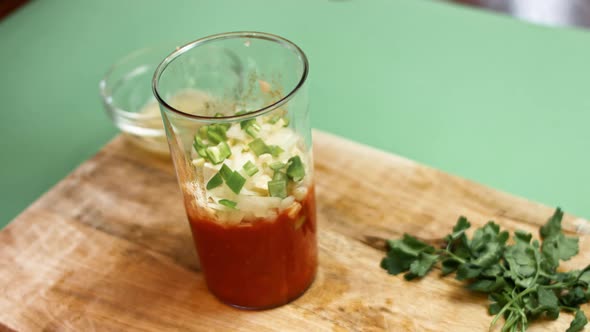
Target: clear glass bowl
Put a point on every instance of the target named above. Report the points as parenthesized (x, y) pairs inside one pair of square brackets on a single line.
[(128, 99)]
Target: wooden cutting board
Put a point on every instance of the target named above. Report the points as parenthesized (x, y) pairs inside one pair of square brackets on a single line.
[(109, 248)]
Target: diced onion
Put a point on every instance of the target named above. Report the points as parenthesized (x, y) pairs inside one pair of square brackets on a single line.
[(286, 202)]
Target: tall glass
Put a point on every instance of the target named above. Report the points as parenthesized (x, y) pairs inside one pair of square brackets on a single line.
[(235, 110)]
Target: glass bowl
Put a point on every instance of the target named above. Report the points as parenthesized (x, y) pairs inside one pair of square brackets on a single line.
[(128, 100)]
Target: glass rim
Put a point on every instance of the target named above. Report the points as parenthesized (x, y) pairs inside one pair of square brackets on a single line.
[(229, 35)]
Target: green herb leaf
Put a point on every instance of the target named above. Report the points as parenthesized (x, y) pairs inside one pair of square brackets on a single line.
[(490, 255), (521, 259), (492, 271), (468, 271), (421, 266), (487, 285), (228, 203), (547, 302), (449, 266), (494, 308), (523, 237), (457, 242), (555, 243), (497, 302), (459, 229), (585, 275), (411, 245), (404, 252), (520, 278), (553, 226), (574, 296), (578, 323), (397, 261)]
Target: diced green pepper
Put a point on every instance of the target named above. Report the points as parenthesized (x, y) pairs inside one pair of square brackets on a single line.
[(278, 175), (275, 150), (228, 203), (277, 188), (251, 127), (236, 182), (277, 165), (247, 123), (215, 181), (200, 147), (225, 149), (259, 147), (250, 168), (217, 154), (199, 141), (274, 119), (202, 152), (225, 172), (253, 130), (203, 131), (295, 171), (225, 127), (216, 134)]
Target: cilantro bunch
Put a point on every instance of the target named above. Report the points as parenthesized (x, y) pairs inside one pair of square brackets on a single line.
[(521, 277)]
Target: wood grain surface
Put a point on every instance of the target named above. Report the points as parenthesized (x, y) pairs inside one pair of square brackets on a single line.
[(109, 249)]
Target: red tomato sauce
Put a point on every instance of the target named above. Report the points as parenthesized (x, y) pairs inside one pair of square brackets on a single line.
[(262, 264)]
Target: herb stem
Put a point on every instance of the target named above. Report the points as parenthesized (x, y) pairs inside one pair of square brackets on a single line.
[(555, 285), (538, 263), (523, 321), (453, 256), (509, 304), (568, 308), (510, 325)]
